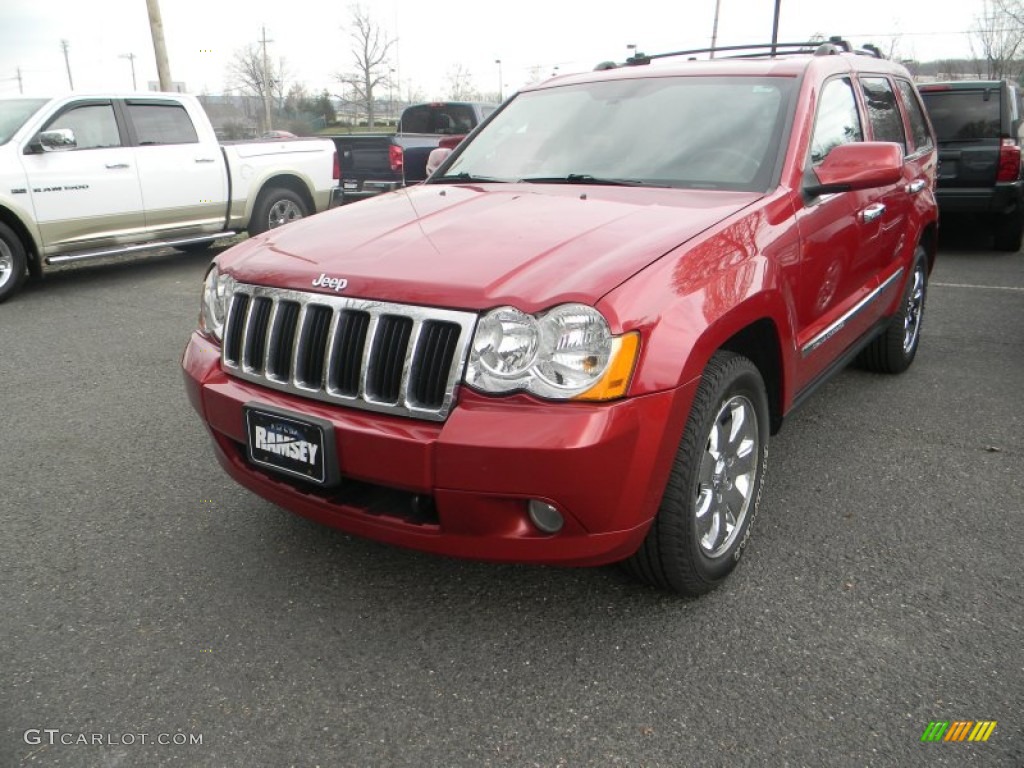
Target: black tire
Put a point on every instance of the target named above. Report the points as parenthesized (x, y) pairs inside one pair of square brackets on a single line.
[(1008, 231), (896, 347), (13, 263), (275, 207), (677, 554)]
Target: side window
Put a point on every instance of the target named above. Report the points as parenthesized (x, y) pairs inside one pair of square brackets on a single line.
[(883, 112), (918, 125), (162, 124), (94, 125), (837, 121)]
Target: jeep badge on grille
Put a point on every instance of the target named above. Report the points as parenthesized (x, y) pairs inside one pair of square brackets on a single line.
[(335, 283)]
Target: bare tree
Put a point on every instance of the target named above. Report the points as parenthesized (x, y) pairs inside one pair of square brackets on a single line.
[(460, 84), (246, 72), (997, 39), (370, 48)]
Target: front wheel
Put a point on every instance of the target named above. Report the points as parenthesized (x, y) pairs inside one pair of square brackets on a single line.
[(13, 262), (276, 207), (714, 488)]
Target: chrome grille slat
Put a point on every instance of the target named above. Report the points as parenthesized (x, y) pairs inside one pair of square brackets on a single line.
[(415, 335), (377, 356), (368, 344)]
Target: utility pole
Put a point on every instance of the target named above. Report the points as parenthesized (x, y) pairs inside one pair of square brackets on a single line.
[(501, 88), (714, 29), (20, 88), (131, 58), (266, 80), (156, 29), (67, 63)]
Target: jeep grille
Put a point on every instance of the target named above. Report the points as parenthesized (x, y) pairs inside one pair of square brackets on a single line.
[(377, 356)]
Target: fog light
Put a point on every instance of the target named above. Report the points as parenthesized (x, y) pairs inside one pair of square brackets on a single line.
[(546, 517)]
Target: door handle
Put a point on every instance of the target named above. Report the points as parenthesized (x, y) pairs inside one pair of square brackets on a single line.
[(204, 159), (915, 186), (871, 212), (116, 166)]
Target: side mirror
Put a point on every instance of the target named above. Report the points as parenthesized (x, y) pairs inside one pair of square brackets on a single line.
[(55, 140), (857, 165), (436, 157)]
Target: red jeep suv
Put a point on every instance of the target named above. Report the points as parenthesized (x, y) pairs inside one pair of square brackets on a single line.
[(572, 343)]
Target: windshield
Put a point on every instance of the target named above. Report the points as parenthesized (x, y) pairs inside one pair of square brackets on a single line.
[(14, 113), (694, 132)]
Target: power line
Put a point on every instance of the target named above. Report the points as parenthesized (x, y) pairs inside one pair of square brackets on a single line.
[(67, 63)]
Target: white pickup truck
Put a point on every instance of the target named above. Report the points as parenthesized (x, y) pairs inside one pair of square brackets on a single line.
[(94, 177)]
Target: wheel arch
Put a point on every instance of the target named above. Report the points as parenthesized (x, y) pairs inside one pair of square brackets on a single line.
[(289, 181), (759, 342), (929, 240), (28, 240)]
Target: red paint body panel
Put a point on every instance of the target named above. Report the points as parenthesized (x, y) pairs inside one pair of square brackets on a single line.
[(688, 270)]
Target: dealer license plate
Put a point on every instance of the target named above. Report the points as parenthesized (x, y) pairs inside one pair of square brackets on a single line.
[(298, 446)]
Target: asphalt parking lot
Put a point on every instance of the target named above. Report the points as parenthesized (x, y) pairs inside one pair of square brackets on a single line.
[(144, 594)]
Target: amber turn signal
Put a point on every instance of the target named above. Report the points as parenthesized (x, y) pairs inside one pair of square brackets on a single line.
[(616, 379)]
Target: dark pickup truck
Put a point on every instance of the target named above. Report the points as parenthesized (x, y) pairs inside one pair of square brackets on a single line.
[(372, 163), (977, 125)]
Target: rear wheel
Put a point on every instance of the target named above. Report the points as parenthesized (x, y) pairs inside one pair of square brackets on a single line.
[(276, 207), (13, 263), (714, 488), (1008, 231), (894, 350)]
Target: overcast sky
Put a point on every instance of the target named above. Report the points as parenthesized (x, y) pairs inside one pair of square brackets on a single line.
[(433, 37)]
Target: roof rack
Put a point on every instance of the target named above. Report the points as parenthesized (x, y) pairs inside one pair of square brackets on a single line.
[(832, 46)]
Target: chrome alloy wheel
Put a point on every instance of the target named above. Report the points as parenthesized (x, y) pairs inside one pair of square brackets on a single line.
[(914, 310), (282, 212), (727, 472), (6, 264)]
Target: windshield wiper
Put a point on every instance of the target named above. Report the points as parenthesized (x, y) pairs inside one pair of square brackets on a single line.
[(469, 177), (584, 178)]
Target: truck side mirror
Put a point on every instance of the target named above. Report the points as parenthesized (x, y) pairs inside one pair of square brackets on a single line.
[(55, 140), (436, 157)]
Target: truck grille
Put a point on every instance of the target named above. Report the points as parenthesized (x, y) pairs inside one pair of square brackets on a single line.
[(377, 356)]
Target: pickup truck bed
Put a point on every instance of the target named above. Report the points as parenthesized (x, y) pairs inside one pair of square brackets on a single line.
[(372, 163)]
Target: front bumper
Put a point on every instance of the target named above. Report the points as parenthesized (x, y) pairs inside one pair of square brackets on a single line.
[(461, 487)]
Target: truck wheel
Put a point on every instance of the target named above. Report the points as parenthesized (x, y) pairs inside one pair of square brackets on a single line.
[(1008, 231), (13, 263), (894, 350), (276, 207), (714, 489)]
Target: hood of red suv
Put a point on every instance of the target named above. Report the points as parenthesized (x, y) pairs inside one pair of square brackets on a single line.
[(481, 246)]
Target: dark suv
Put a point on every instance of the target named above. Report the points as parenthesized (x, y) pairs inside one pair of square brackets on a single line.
[(976, 123)]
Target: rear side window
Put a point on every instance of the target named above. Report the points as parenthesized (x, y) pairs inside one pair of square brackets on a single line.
[(162, 124), (447, 119), (883, 112), (918, 125), (964, 115), (837, 121)]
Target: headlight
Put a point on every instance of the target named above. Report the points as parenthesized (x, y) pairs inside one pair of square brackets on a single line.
[(217, 292), (566, 352)]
